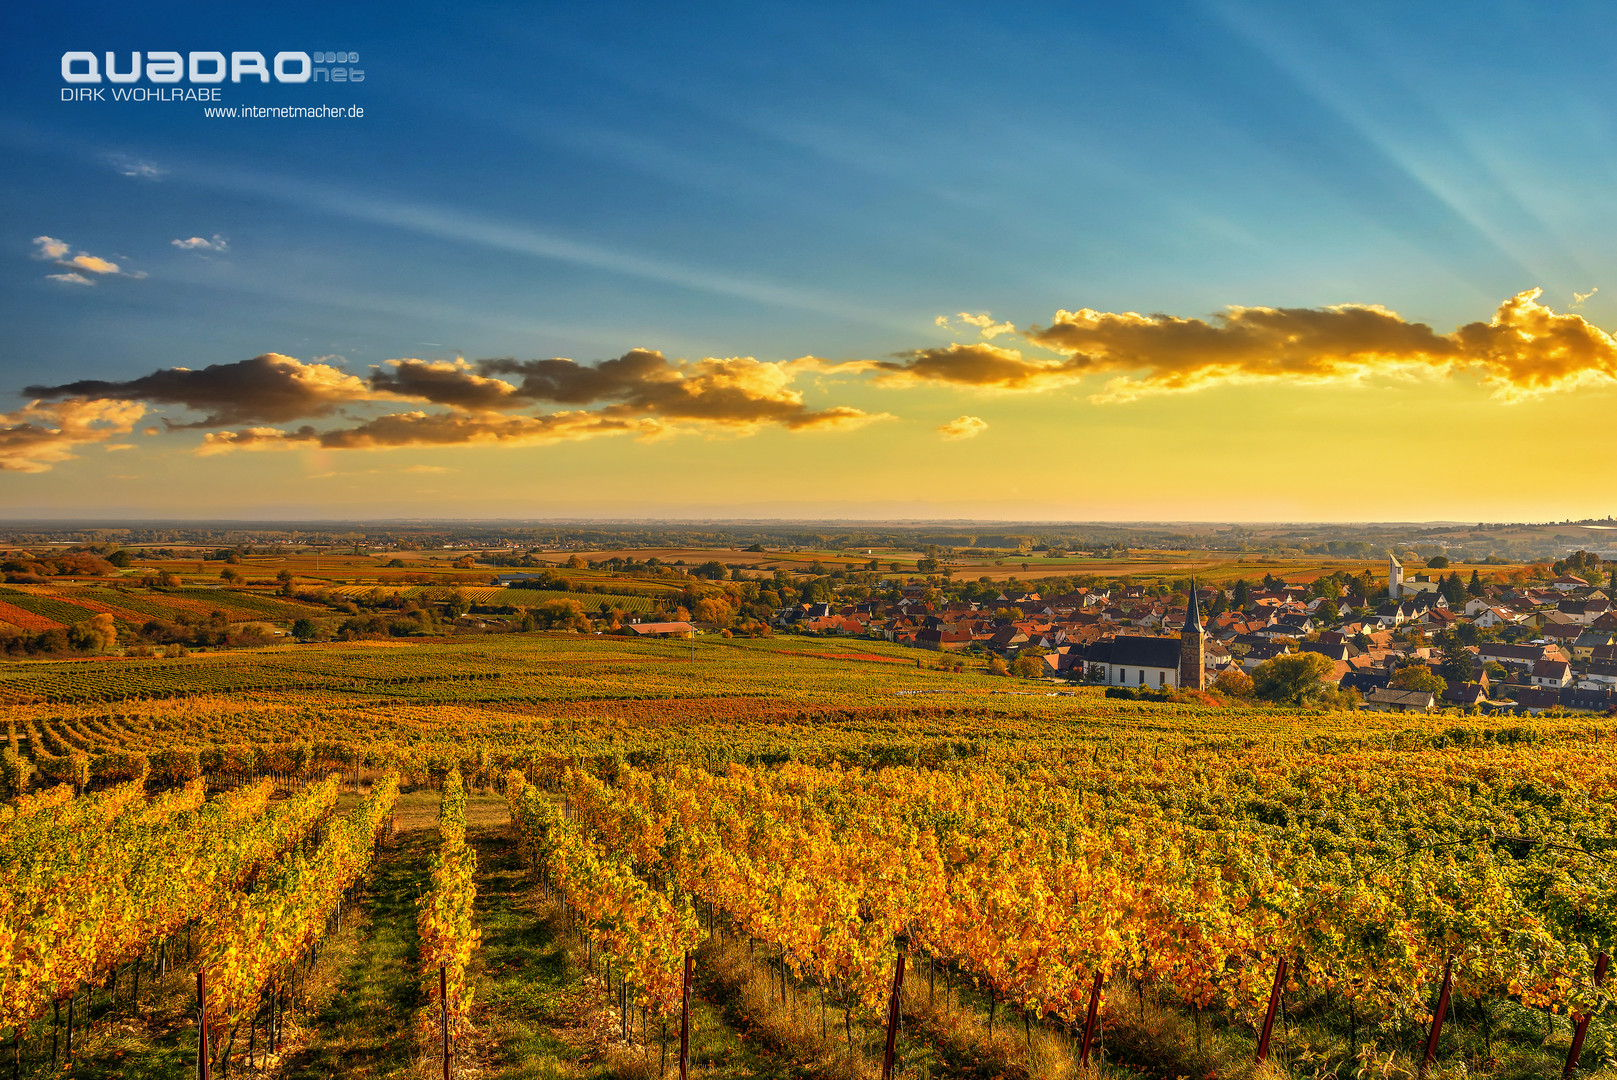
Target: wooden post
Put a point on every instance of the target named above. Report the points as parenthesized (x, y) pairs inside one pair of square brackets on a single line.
[(892, 1016), (1437, 1018), (443, 1012), (1274, 1007), (1089, 1021), (685, 1022), (1582, 1029), (203, 1068)]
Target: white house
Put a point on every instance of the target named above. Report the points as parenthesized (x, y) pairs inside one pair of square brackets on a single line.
[(1492, 617), (1143, 661)]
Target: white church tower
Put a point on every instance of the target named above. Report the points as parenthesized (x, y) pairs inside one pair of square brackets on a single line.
[(1395, 577)]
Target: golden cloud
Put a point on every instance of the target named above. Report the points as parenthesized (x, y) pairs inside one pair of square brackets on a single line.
[(38, 436), (963, 427), (1526, 348), (60, 252)]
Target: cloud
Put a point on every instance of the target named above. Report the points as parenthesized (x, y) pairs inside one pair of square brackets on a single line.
[(436, 429), (1579, 297), (963, 427), (197, 243), (984, 323), (60, 253), (270, 388), (641, 393), (978, 365), (38, 436), (443, 382), (737, 391), (1525, 348), (126, 165)]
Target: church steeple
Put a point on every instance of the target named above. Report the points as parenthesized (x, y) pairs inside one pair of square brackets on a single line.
[(1193, 645)]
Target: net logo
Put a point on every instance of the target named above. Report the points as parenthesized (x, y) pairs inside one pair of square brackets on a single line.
[(80, 68)]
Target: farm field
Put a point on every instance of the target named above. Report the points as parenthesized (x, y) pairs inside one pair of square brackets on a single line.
[(578, 812), (488, 595)]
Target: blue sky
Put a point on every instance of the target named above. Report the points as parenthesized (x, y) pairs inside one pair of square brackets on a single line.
[(774, 180)]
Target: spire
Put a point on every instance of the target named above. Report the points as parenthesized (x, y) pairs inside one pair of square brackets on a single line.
[(1193, 612)]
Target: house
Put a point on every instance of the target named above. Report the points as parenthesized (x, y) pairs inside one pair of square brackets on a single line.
[(1267, 650), (1598, 675), (1365, 682), (1535, 699), (1584, 612), (1336, 652), (1491, 617), (1568, 582), (1465, 695), (1584, 646), (1512, 656), (1563, 634), (1597, 701), (1556, 673), (1390, 700), (662, 629), (943, 639)]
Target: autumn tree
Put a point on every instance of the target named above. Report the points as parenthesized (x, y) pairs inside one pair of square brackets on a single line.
[(1234, 682), (1292, 679), (1028, 666), (713, 609), (1418, 677)]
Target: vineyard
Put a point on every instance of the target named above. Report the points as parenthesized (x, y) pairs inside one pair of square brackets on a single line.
[(38, 607), (563, 855)]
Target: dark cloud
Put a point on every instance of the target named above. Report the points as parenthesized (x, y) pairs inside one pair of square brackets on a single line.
[(735, 391), (566, 382), (266, 389), (436, 429), (443, 383)]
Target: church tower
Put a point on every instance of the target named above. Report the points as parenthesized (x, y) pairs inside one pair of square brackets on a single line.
[(1193, 646), (1395, 576)]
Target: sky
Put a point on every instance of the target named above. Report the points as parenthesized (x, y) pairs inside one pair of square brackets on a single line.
[(1202, 261)]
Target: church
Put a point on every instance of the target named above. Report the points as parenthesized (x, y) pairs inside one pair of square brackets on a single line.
[(1158, 663)]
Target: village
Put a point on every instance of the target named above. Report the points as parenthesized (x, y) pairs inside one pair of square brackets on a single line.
[(1417, 642)]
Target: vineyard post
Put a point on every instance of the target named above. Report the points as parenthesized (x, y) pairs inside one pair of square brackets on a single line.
[(685, 1021), (202, 1027), (1437, 1018), (1582, 1029), (1274, 1006), (892, 1016), (1089, 1021), (443, 1012)]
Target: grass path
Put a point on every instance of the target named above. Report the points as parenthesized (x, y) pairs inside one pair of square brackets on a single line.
[(362, 1031), (542, 1017)]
